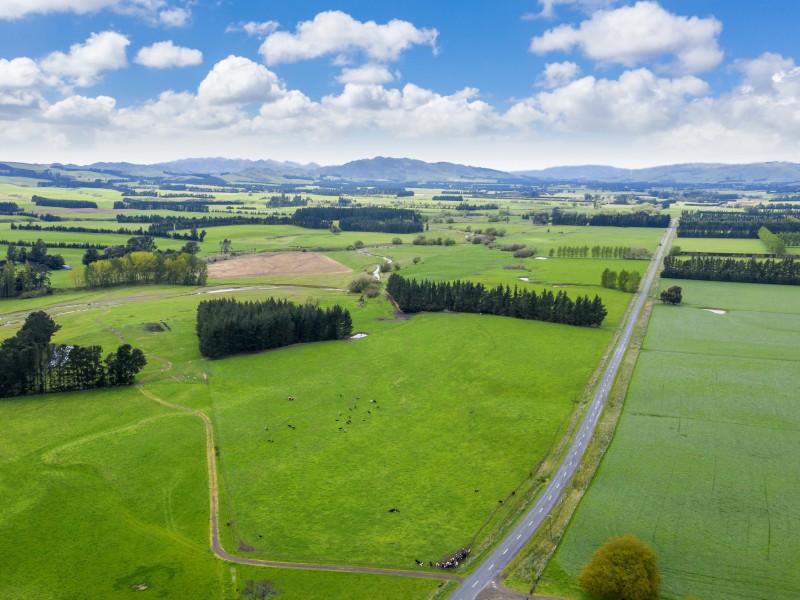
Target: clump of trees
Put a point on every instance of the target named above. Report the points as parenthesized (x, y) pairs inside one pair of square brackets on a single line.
[(26, 271), (144, 267), (31, 364), (368, 286), (465, 296), (421, 240), (8, 207), (37, 254), (23, 281), (790, 238), (672, 295), (711, 268), (283, 201), (624, 568), (624, 281), (226, 326)]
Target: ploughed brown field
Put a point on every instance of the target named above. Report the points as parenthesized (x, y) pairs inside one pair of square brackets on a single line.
[(276, 263)]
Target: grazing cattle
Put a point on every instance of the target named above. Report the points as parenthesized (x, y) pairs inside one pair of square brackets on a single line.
[(291, 398), (419, 562)]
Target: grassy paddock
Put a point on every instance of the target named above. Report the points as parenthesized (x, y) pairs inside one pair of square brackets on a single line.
[(499, 391)]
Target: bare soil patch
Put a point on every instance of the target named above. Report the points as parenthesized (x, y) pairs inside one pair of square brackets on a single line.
[(277, 263)]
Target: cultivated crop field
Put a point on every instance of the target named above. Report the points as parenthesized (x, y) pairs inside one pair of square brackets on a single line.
[(705, 463)]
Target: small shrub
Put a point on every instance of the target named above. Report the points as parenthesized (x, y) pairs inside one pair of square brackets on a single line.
[(449, 242), (372, 291), (397, 241), (416, 260), (524, 252), (385, 267), (360, 284)]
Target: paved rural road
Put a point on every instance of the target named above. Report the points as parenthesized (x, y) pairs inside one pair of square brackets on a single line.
[(505, 552)]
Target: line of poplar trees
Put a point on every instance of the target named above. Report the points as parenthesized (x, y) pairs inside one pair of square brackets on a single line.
[(31, 364), (775, 243), (711, 268), (413, 296), (226, 326)]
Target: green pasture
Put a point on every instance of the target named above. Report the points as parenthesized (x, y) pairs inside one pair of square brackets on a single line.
[(450, 390), (106, 490), (734, 245), (705, 462)]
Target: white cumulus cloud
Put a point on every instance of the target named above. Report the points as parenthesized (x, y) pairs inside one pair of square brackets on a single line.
[(638, 102), (370, 73), (257, 29), (635, 34), (548, 10), (174, 17), (558, 74), (163, 55), (80, 109), (238, 80), (84, 62), (21, 73), (152, 11), (334, 32)]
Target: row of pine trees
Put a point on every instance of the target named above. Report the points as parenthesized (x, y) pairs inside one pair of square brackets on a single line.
[(226, 326), (465, 296), (711, 268)]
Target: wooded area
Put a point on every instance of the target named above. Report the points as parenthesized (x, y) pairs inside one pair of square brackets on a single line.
[(30, 364), (226, 326)]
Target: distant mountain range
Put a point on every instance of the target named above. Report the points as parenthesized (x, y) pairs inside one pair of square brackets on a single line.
[(400, 171), (711, 173)]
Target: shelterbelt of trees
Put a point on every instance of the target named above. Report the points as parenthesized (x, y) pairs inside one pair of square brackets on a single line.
[(635, 219), (57, 202), (31, 364), (226, 326), (710, 268), (722, 224), (465, 296)]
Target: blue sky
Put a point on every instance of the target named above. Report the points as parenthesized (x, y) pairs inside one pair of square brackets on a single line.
[(512, 84)]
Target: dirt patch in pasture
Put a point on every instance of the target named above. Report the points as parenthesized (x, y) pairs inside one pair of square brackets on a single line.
[(277, 263)]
